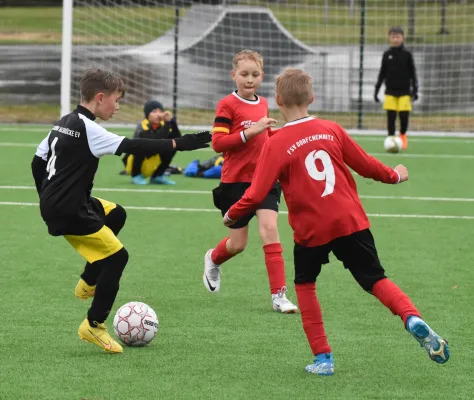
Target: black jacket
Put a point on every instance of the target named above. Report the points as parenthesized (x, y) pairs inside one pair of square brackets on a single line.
[(398, 72), (166, 130)]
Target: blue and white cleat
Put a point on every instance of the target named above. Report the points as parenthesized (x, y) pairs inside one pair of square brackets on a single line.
[(436, 346), (323, 365), (162, 180), (139, 180)]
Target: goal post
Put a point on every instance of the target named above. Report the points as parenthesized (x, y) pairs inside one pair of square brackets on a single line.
[(339, 42), (66, 54)]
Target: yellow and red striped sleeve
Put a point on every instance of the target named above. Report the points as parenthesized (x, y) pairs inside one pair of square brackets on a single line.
[(223, 120), (221, 125)]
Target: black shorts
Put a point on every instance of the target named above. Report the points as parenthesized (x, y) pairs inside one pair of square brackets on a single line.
[(227, 194), (356, 251)]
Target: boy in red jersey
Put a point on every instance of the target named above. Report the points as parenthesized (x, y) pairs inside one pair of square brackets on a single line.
[(240, 130), (309, 156)]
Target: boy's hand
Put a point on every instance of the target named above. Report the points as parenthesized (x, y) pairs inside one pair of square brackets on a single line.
[(193, 141), (414, 96), (376, 97), (264, 124), (260, 127), (167, 116), (403, 172), (227, 221)]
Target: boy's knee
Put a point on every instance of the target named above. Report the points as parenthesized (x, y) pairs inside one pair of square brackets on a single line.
[(367, 282), (112, 268), (268, 231), (120, 259), (115, 220), (238, 247), (120, 262), (237, 243), (305, 275)]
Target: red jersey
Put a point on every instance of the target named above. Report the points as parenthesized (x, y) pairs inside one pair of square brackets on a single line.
[(233, 115), (309, 156)]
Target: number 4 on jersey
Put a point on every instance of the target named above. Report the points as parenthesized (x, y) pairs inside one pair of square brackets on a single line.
[(52, 161), (327, 174)]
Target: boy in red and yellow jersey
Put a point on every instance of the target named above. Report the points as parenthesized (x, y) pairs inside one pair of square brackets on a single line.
[(241, 128)]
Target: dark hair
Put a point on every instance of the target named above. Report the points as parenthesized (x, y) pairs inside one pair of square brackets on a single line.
[(97, 80), (396, 29), (151, 105)]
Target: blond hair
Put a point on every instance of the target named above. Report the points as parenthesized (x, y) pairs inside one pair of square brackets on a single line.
[(247, 55), (294, 87), (96, 80)]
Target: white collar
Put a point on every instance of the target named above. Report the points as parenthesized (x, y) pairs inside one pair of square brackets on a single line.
[(245, 100), (299, 121)]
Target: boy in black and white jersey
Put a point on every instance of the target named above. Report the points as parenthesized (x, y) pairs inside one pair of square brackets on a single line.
[(64, 167)]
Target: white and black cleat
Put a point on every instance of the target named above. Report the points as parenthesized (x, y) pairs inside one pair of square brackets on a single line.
[(212, 274), (281, 303)]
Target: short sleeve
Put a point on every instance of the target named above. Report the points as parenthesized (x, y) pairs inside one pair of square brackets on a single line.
[(43, 148), (101, 141)]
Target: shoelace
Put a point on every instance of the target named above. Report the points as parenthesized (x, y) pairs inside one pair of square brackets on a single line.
[(282, 293)]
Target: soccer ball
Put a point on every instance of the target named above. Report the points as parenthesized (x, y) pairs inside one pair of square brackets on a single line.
[(392, 144), (135, 324)]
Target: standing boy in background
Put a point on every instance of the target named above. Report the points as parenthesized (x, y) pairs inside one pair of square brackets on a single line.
[(241, 128), (399, 74), (309, 157), (158, 124)]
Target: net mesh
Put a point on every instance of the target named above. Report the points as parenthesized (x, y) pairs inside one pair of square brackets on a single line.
[(138, 39)]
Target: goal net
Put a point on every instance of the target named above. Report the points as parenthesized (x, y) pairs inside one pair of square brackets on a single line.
[(180, 53)]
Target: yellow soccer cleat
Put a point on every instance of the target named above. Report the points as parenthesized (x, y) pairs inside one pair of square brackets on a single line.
[(83, 291), (99, 336)]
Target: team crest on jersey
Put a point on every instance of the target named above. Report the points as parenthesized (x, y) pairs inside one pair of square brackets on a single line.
[(247, 124)]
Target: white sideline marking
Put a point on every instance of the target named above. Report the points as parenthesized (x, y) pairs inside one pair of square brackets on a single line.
[(410, 155), (403, 155), (211, 210), (361, 138), (208, 192), (119, 190), (12, 144), (355, 132)]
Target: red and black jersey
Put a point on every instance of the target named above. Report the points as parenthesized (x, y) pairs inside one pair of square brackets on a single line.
[(233, 115), (310, 157)]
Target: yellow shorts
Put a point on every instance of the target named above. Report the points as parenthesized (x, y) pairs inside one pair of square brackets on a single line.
[(149, 165), (392, 103), (97, 245), (107, 205)]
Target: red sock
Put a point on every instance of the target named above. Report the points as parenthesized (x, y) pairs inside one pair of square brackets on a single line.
[(312, 318), (275, 266), (392, 297), (220, 254)]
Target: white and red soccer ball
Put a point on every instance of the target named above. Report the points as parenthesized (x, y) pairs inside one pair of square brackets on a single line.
[(135, 324)]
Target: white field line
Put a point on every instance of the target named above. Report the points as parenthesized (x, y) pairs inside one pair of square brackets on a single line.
[(120, 190), (14, 144), (356, 132), (211, 210), (402, 155), (208, 192), (359, 139)]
